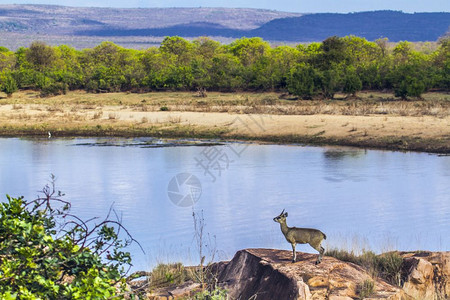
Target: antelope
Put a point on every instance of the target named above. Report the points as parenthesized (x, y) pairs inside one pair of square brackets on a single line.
[(294, 235)]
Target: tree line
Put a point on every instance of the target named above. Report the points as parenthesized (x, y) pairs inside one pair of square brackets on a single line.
[(316, 70)]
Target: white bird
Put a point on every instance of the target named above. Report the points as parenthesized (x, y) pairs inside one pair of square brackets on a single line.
[(49, 134)]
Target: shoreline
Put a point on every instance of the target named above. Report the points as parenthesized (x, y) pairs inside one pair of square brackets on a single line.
[(422, 126), (389, 143)]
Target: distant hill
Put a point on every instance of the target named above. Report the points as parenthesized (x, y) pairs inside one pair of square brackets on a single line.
[(394, 25), (63, 19), (142, 27)]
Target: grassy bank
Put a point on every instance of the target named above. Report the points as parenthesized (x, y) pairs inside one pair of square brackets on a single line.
[(374, 120)]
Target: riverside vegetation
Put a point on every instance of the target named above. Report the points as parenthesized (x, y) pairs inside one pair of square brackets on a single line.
[(317, 70), (109, 90)]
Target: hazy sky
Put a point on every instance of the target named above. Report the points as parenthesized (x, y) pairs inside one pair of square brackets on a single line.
[(282, 5)]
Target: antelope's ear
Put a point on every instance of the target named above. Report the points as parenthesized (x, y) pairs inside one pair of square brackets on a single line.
[(285, 214)]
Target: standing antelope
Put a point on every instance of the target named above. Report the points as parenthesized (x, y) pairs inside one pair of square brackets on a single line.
[(294, 235)]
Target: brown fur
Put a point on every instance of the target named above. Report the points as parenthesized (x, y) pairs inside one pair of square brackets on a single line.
[(294, 236)]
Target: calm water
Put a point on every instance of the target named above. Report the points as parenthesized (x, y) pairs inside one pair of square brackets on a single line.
[(360, 198)]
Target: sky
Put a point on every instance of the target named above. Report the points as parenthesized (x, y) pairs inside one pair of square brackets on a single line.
[(303, 6)]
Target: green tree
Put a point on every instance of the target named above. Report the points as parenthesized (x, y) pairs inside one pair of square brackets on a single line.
[(47, 253), (302, 81), (225, 73), (40, 56), (408, 80), (272, 72), (249, 50), (70, 71), (441, 63), (359, 51), (8, 84), (402, 52), (333, 51), (111, 68), (207, 47), (340, 64), (330, 82), (352, 82), (181, 48), (7, 59)]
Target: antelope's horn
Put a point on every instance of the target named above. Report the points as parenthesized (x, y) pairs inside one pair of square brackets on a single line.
[(282, 212)]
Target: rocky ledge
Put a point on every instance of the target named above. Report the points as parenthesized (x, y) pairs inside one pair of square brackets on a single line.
[(270, 274)]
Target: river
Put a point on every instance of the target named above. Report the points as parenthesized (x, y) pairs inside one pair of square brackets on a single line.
[(362, 199)]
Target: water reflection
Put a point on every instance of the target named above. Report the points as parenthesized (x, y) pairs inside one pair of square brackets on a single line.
[(338, 161), (339, 154)]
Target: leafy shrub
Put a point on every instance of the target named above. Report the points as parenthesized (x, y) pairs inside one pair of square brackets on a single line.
[(409, 87), (8, 84), (352, 82), (92, 86), (408, 80), (54, 89), (217, 294), (48, 253), (164, 108), (301, 81)]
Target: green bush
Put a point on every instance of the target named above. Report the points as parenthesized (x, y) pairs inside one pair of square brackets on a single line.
[(48, 253), (409, 80), (217, 294), (8, 84), (409, 87), (352, 82), (301, 81), (54, 89)]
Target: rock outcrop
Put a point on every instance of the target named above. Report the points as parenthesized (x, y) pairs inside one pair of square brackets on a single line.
[(426, 274), (269, 274)]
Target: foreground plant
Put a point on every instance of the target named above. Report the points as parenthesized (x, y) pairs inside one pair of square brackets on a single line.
[(48, 253)]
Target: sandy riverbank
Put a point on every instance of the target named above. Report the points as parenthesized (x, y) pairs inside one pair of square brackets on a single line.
[(379, 125)]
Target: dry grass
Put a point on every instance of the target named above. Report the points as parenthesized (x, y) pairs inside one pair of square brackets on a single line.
[(387, 265), (168, 274), (365, 289), (432, 104), (373, 120), (174, 119), (113, 116), (97, 115), (55, 108)]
